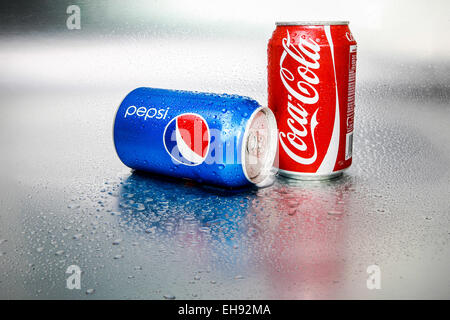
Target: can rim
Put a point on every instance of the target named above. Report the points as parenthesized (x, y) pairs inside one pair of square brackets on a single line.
[(310, 176), (267, 173), (311, 23)]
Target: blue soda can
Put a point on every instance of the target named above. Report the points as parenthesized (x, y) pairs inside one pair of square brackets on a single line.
[(224, 140)]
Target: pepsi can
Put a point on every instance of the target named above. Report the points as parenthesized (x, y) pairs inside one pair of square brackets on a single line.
[(224, 140)]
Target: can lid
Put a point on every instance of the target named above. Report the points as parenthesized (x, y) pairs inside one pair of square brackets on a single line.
[(311, 23), (259, 147)]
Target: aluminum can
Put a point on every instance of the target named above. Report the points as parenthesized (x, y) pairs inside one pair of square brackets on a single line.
[(311, 90), (224, 140)]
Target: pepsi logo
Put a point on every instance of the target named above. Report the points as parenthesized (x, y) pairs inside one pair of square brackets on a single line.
[(187, 139)]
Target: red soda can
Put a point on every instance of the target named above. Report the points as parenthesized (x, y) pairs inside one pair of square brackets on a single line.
[(311, 90)]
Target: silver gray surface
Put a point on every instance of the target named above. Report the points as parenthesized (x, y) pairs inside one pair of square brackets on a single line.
[(65, 198)]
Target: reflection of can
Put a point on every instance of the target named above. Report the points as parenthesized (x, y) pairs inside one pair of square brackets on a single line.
[(177, 209), (306, 231), (311, 88), (225, 140)]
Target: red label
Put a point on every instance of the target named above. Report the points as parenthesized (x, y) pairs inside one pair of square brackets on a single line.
[(306, 95)]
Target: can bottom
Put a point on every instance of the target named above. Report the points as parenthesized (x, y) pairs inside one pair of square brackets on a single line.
[(310, 176)]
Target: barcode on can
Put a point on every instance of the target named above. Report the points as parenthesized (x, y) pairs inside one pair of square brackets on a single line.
[(348, 145)]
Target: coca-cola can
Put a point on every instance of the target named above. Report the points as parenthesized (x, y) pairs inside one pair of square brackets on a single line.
[(311, 90)]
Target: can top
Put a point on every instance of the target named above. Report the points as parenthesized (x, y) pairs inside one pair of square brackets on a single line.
[(259, 147), (311, 23)]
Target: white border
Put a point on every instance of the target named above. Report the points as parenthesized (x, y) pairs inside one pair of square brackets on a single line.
[(329, 161)]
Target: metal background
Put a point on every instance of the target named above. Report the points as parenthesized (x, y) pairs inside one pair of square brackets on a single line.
[(65, 198)]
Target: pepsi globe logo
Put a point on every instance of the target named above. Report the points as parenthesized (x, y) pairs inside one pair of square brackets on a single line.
[(187, 139)]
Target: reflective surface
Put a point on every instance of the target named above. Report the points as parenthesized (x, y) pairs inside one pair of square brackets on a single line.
[(67, 200)]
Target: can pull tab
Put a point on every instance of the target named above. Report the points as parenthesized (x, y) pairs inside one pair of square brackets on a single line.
[(252, 146), (262, 142), (256, 143)]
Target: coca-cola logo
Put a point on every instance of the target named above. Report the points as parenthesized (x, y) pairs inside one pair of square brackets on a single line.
[(300, 84), (349, 36)]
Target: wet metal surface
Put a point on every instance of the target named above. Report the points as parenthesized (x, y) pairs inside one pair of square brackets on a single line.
[(65, 198)]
